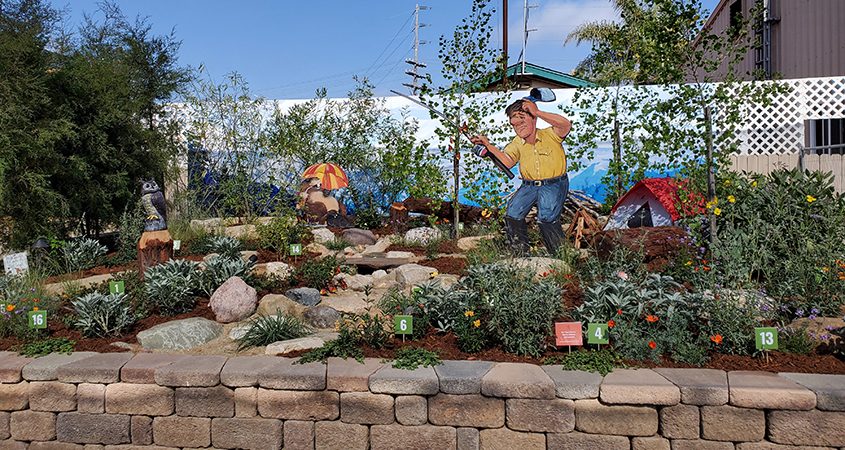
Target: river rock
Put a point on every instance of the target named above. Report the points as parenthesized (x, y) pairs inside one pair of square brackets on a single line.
[(304, 296), (413, 274), (422, 235), (234, 300), (322, 235), (321, 316), (358, 236), (180, 334)]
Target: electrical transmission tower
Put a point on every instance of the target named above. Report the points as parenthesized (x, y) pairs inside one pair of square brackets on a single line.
[(415, 63), (525, 30)]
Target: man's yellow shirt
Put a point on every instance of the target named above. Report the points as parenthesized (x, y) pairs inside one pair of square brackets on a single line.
[(545, 159)]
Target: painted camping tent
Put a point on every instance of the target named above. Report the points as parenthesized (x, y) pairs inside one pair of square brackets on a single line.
[(652, 202)]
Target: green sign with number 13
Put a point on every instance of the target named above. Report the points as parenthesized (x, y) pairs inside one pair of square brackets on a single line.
[(766, 338)]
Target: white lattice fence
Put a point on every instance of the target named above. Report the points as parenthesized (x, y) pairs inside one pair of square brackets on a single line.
[(778, 129)]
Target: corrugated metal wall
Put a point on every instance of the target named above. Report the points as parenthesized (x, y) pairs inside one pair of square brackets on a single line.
[(807, 42)]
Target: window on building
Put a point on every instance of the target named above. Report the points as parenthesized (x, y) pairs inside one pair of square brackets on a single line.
[(736, 17), (826, 136)]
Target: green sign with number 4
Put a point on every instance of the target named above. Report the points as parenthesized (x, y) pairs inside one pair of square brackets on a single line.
[(766, 338), (38, 319), (403, 324), (597, 333)]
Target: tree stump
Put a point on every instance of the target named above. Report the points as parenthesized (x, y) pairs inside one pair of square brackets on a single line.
[(155, 247)]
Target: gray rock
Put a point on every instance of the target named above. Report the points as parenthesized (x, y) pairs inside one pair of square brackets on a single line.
[(321, 316), (180, 334), (304, 296), (322, 235), (470, 242), (357, 236), (316, 247), (379, 247), (462, 377), (397, 254), (422, 235), (241, 232), (234, 300), (358, 282), (246, 254), (413, 274)]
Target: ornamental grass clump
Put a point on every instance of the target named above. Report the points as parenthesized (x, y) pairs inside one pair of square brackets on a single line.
[(265, 330)]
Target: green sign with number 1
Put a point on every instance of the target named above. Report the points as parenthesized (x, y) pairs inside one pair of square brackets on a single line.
[(38, 319), (117, 287), (597, 333)]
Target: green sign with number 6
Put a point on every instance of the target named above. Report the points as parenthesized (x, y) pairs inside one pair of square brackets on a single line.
[(766, 338), (597, 333), (38, 319), (403, 324)]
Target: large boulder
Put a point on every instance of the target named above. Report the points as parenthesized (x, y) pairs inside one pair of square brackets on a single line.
[(541, 266), (318, 248), (412, 274), (357, 236), (422, 235), (234, 300), (180, 334), (322, 235), (242, 232), (271, 303), (379, 247), (471, 242), (818, 328), (321, 316), (304, 296), (355, 282)]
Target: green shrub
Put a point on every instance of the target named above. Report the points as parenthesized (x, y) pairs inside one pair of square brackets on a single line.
[(46, 346), (218, 269), (265, 330), (732, 317), (130, 228), (345, 346), (472, 338), (318, 273), (82, 254), (397, 302), (337, 244), (445, 308), (281, 231), (601, 361), (99, 315), (411, 358), (170, 287), (225, 246)]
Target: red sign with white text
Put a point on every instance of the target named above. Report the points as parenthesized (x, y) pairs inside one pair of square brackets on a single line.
[(568, 333)]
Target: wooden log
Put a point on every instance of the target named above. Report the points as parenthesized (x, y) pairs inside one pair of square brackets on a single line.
[(155, 247)]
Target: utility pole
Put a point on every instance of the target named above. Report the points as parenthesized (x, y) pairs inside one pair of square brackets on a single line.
[(415, 63), (525, 30)]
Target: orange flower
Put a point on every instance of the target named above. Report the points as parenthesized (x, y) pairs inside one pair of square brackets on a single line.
[(35, 308), (652, 345), (611, 323), (716, 338), (10, 308), (651, 319)]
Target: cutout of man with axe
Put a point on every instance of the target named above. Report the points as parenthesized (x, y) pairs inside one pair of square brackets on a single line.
[(542, 167)]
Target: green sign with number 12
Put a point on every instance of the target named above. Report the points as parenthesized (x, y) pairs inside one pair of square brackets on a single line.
[(38, 319), (597, 333)]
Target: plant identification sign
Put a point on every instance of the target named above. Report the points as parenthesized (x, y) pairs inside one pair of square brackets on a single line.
[(568, 333), (16, 263)]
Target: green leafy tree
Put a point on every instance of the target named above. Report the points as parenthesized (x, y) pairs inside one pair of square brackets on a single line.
[(470, 62)]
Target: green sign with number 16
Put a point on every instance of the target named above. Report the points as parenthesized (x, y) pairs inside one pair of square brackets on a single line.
[(38, 319), (597, 333)]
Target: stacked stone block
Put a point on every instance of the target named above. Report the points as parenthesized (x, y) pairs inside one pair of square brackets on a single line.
[(122, 401)]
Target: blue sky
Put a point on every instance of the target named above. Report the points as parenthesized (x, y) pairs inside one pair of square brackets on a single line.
[(287, 49)]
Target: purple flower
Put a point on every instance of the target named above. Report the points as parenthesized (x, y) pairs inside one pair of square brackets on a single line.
[(814, 311), (799, 312), (764, 307)]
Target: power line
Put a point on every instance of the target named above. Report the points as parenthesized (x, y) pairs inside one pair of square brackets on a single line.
[(389, 43)]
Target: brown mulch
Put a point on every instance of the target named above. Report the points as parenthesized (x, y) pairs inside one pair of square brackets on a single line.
[(454, 266), (99, 270)]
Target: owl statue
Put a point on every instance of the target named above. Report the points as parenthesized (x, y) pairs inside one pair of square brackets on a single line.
[(154, 206)]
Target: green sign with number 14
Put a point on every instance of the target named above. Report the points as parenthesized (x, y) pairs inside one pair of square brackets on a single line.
[(38, 319), (597, 333)]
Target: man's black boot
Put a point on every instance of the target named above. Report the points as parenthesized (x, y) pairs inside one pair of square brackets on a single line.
[(517, 236), (552, 234)]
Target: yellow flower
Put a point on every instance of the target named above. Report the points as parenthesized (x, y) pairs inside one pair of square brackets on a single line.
[(469, 314), (35, 308), (434, 274), (717, 211), (731, 199), (825, 269), (477, 323), (688, 263), (810, 199), (712, 203), (754, 184), (727, 182)]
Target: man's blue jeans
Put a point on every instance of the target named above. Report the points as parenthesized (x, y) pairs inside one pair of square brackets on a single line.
[(549, 199)]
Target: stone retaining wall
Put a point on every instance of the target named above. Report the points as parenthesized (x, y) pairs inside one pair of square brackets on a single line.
[(126, 401)]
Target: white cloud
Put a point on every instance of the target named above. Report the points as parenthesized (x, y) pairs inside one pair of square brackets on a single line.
[(554, 20)]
